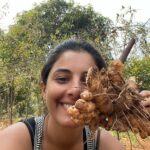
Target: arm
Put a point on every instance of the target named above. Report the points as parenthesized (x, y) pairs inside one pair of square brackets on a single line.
[(108, 142), (15, 137)]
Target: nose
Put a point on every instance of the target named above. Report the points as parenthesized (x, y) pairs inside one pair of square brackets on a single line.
[(74, 91)]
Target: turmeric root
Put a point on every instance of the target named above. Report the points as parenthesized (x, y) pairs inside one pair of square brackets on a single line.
[(112, 102)]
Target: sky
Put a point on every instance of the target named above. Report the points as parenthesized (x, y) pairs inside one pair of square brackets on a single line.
[(108, 8)]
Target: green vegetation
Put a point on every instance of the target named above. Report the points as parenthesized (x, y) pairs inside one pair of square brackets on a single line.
[(24, 47), (140, 68)]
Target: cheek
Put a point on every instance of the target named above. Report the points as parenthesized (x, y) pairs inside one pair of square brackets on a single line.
[(54, 92)]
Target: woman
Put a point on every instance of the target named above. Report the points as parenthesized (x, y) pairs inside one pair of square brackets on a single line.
[(62, 79)]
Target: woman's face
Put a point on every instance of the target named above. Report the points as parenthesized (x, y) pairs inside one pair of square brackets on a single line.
[(64, 84)]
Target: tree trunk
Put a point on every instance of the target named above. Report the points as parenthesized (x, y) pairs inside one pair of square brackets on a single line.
[(127, 50), (11, 100)]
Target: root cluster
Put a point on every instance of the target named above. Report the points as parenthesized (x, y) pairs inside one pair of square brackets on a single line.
[(111, 102)]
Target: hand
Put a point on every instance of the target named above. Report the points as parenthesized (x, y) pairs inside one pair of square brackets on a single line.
[(146, 102)]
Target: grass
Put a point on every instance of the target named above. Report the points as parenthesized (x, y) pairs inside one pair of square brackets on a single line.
[(132, 141)]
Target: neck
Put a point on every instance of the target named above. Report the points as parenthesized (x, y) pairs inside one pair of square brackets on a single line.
[(61, 136)]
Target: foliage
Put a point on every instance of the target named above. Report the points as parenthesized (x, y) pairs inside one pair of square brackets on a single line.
[(140, 68), (3, 9), (126, 28), (24, 47)]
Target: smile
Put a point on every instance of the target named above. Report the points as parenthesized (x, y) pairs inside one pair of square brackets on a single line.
[(67, 105)]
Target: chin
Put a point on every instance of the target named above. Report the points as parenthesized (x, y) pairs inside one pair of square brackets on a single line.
[(68, 123)]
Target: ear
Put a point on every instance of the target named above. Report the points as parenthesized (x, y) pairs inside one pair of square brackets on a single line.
[(43, 89)]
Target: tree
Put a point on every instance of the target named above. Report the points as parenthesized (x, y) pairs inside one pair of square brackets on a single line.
[(126, 28), (3, 9), (121, 33), (140, 68), (35, 32)]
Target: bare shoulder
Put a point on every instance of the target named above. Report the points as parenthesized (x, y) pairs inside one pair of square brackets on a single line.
[(15, 137), (107, 141)]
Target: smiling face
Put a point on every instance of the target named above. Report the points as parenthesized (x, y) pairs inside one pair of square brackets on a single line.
[(64, 84)]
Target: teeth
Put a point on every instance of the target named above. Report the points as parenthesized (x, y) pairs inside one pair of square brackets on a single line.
[(67, 105)]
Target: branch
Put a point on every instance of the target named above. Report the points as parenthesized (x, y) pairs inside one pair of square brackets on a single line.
[(127, 50)]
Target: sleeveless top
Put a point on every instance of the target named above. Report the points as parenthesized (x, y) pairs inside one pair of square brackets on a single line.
[(35, 127)]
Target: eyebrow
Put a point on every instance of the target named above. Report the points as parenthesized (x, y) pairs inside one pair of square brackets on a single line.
[(62, 70), (65, 70)]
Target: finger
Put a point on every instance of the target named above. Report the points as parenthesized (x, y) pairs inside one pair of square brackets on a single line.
[(145, 93), (146, 102)]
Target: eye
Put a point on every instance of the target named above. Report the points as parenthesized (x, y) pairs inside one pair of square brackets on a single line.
[(62, 80)]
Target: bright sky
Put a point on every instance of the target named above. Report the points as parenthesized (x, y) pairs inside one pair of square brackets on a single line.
[(107, 8)]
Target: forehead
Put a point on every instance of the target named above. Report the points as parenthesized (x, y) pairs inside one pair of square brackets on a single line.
[(74, 61)]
